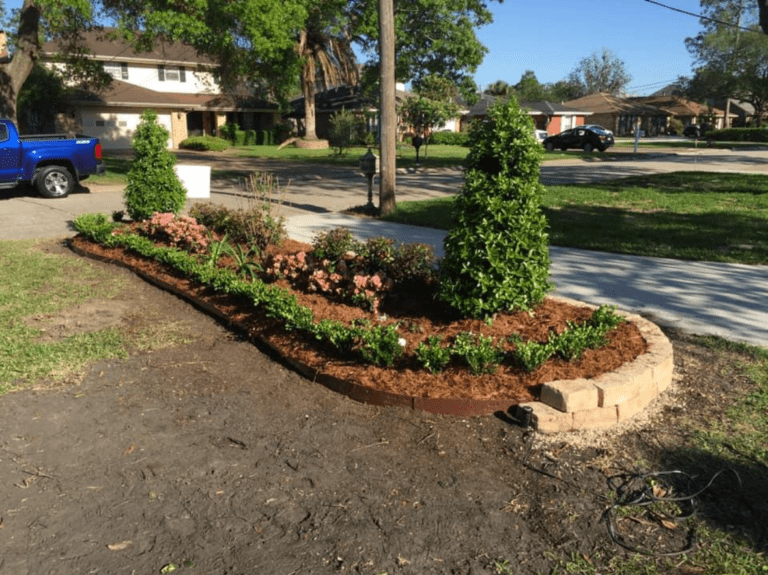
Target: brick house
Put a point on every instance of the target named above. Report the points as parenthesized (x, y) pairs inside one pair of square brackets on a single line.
[(551, 117), (620, 115), (171, 79)]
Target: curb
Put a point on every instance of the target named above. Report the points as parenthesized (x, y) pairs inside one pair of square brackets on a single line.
[(564, 405)]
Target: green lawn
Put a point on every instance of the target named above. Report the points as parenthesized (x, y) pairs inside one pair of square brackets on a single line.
[(685, 215)]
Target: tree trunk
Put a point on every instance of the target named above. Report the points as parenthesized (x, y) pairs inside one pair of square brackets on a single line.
[(763, 7), (308, 87), (15, 73), (388, 109)]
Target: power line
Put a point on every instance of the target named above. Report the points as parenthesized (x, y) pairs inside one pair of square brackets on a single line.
[(700, 16)]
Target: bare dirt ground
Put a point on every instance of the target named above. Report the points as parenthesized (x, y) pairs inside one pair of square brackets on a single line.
[(213, 458)]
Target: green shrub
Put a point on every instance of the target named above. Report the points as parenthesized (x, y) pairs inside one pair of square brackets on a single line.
[(478, 352), (449, 139), (412, 262), (227, 131), (253, 226), (346, 130), (205, 144), (334, 244), (738, 135), (432, 354), (531, 354), (152, 182), (496, 256)]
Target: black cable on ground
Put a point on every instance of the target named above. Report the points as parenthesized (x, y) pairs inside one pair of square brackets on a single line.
[(642, 489)]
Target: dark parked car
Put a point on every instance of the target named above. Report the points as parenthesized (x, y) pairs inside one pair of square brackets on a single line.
[(587, 138), (695, 131)]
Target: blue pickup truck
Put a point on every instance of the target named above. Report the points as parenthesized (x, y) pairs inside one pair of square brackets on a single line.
[(54, 164)]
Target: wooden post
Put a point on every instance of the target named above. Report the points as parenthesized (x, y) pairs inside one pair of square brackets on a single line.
[(388, 109)]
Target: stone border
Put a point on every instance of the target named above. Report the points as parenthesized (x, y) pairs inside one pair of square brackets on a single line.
[(614, 397), (564, 405)]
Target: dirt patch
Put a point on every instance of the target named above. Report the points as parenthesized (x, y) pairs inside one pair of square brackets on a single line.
[(215, 458), (90, 316)]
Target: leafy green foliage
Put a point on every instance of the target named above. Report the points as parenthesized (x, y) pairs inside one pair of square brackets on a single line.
[(601, 71), (738, 135), (432, 354), (346, 130), (496, 256), (531, 354), (254, 226), (152, 182), (333, 245), (380, 345), (449, 139), (478, 352), (205, 144)]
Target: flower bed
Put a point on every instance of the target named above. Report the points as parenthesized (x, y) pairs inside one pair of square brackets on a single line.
[(406, 345)]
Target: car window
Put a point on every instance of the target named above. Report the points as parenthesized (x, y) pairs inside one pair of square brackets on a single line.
[(3, 132)]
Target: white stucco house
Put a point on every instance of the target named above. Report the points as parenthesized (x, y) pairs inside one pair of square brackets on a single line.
[(171, 79)]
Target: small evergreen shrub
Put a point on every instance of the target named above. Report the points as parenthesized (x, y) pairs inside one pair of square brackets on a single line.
[(412, 262), (478, 352), (496, 256), (205, 144), (432, 354), (152, 182), (449, 139)]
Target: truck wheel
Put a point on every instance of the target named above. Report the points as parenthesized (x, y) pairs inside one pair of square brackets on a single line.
[(55, 182)]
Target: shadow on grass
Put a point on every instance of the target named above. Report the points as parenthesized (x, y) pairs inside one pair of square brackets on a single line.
[(687, 182)]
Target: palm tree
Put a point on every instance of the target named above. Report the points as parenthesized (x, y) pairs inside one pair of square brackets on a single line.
[(500, 88), (325, 48)]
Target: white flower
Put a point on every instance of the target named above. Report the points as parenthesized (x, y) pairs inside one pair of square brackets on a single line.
[(402, 341)]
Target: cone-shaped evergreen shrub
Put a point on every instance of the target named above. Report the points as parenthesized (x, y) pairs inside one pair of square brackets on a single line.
[(152, 182), (496, 256)]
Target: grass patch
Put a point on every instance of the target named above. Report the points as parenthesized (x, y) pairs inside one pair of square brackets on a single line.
[(117, 172), (686, 215), (35, 284)]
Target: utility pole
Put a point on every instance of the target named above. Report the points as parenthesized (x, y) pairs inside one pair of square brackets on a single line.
[(388, 126)]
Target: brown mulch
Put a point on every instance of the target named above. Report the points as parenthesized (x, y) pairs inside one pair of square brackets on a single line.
[(419, 316)]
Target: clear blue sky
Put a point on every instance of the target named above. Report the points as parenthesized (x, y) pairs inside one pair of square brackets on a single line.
[(551, 36)]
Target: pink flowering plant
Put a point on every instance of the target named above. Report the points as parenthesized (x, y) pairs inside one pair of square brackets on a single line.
[(181, 231)]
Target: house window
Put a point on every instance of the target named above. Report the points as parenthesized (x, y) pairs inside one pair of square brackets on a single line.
[(171, 73), (118, 70)]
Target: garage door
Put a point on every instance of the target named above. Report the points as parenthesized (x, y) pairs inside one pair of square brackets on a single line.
[(115, 130)]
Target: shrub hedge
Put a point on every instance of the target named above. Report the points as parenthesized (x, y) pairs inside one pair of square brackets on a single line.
[(205, 144), (738, 135), (449, 139)]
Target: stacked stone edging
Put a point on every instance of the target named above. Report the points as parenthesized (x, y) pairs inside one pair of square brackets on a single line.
[(614, 397)]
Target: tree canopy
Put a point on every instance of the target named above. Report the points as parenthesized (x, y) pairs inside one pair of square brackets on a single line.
[(35, 22), (730, 54), (601, 72)]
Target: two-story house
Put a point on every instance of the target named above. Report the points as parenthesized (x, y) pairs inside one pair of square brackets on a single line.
[(171, 79)]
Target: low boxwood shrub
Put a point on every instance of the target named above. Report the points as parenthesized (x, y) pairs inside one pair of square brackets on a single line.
[(449, 139), (205, 144)]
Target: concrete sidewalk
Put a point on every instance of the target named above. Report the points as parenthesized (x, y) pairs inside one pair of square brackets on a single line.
[(727, 300)]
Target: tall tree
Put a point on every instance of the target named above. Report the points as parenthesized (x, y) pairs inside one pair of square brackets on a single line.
[(49, 20), (730, 61), (500, 88), (432, 37), (601, 72), (528, 89), (327, 58), (251, 41)]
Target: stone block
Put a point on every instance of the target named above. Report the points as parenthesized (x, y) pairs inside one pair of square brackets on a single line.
[(595, 418), (570, 395), (547, 419)]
